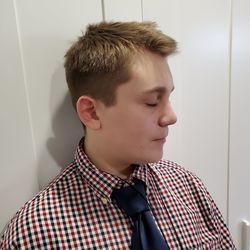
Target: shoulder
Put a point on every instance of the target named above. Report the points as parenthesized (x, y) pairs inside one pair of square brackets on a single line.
[(186, 188), (181, 182), (172, 170), (189, 196), (185, 192), (35, 215)]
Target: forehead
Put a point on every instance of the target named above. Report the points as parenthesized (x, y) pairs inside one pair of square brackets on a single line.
[(150, 73)]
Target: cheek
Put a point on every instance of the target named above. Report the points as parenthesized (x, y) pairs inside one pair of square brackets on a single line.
[(139, 125), (146, 119), (132, 122)]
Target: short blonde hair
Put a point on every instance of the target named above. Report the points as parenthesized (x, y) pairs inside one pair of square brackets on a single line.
[(99, 61)]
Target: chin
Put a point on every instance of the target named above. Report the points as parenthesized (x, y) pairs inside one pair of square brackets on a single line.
[(152, 158)]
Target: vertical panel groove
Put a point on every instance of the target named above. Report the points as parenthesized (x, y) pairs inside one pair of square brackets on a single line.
[(103, 11), (24, 79), (142, 16), (229, 106)]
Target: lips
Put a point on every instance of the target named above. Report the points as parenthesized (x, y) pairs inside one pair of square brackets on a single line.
[(161, 139)]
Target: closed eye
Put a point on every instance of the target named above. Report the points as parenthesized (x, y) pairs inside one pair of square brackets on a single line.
[(151, 104)]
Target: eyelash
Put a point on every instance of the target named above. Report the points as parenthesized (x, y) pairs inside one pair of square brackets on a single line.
[(151, 104)]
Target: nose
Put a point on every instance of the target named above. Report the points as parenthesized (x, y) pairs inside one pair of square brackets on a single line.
[(168, 117)]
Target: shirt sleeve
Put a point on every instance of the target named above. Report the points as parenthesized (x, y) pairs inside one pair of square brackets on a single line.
[(7, 240)]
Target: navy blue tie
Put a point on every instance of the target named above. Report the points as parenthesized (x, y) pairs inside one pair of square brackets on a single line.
[(145, 234)]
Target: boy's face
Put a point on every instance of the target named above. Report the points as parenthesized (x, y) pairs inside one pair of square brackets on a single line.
[(136, 127)]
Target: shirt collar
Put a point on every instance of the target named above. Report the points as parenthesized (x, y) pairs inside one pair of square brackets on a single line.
[(102, 183)]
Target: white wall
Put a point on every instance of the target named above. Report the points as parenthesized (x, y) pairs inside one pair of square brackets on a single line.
[(201, 80), (18, 179), (40, 130), (239, 185)]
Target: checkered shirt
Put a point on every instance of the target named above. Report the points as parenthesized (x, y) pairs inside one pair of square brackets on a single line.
[(75, 211)]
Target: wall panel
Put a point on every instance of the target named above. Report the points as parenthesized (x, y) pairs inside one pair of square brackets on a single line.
[(18, 180), (239, 183), (47, 30), (201, 76), (119, 10)]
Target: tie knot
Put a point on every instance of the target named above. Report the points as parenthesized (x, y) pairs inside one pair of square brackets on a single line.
[(132, 199)]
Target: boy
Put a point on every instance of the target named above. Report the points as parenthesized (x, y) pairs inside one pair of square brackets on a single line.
[(120, 84)]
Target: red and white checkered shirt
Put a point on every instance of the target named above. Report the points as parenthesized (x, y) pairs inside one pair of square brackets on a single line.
[(76, 211)]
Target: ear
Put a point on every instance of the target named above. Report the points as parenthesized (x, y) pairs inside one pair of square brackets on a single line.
[(86, 110)]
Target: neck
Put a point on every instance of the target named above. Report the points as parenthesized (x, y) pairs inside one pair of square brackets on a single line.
[(105, 163)]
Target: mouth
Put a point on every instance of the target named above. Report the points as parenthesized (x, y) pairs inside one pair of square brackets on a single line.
[(161, 140)]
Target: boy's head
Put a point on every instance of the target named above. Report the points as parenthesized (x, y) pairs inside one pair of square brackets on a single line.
[(100, 60), (120, 85)]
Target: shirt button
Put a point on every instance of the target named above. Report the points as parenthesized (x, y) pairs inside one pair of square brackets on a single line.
[(104, 201)]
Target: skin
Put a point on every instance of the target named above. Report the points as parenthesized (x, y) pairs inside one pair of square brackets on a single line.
[(134, 130)]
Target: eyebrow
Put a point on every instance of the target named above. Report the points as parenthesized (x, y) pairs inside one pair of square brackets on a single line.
[(157, 90)]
